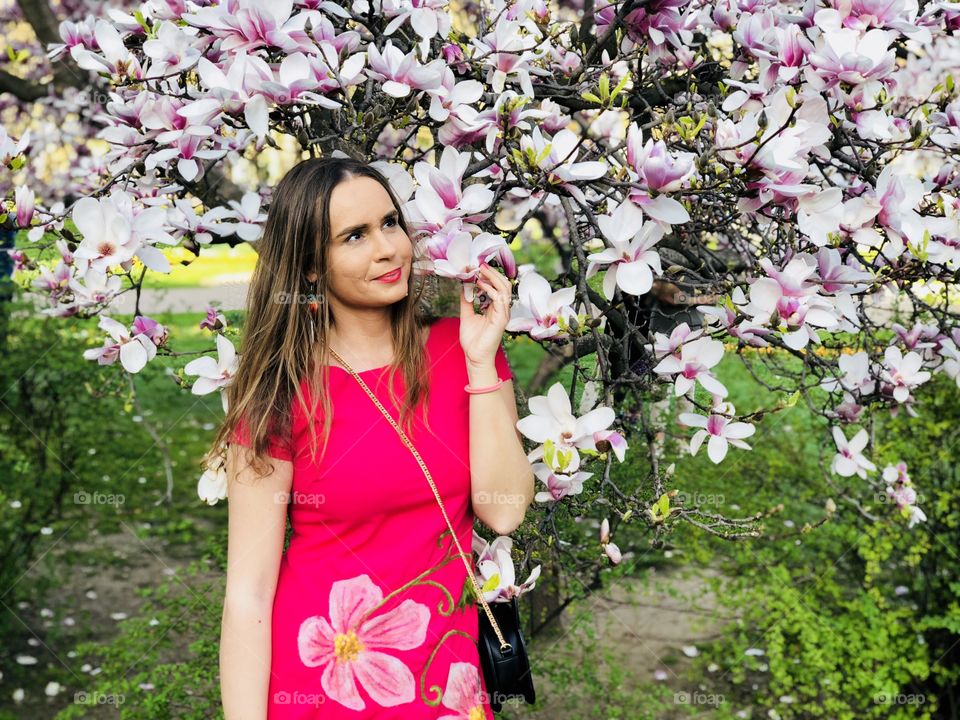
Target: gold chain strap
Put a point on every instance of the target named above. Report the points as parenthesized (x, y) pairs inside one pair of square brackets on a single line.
[(504, 645)]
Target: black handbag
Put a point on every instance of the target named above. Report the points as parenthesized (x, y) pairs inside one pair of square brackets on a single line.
[(503, 654), (506, 671)]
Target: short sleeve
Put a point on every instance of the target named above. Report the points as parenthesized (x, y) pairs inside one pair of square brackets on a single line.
[(503, 367), (276, 448)]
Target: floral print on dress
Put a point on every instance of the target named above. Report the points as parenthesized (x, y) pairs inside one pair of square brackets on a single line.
[(346, 646), (463, 693)]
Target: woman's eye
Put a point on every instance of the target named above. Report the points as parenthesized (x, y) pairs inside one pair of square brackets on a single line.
[(389, 221)]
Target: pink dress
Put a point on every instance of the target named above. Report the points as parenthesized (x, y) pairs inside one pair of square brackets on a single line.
[(371, 618)]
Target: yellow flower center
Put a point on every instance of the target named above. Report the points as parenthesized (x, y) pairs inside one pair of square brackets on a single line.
[(476, 713), (347, 646)]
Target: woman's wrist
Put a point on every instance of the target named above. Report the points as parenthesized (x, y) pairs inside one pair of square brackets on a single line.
[(482, 375)]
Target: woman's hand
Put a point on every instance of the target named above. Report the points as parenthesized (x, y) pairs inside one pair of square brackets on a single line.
[(481, 334)]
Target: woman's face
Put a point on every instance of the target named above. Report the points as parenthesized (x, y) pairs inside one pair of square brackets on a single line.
[(367, 241)]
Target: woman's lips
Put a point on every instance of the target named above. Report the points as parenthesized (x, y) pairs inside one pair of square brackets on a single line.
[(391, 276)]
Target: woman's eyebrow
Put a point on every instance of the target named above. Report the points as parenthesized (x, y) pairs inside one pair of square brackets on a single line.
[(363, 226)]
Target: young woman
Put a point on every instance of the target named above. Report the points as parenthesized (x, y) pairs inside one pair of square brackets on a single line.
[(367, 612)]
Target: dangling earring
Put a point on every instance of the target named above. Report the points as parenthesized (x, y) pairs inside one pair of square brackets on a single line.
[(313, 309)]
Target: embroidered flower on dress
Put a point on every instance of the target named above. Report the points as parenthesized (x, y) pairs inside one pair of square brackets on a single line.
[(345, 646), (463, 693)]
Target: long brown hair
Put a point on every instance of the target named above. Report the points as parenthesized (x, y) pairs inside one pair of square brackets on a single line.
[(276, 353)]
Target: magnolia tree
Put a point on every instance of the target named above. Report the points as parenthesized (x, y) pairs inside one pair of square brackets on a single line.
[(772, 180)]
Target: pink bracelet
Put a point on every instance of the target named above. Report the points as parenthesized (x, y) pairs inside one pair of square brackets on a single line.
[(475, 391)]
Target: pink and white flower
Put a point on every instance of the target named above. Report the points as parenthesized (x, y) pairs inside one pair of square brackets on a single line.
[(441, 196), (214, 374), (611, 550), (551, 420), (849, 459), (462, 694), (559, 485), (212, 486), (350, 646), (656, 171), (133, 348), (496, 574), (721, 433), (541, 311), (463, 256), (903, 372), (400, 73), (694, 363), (557, 158), (631, 262), (114, 232)]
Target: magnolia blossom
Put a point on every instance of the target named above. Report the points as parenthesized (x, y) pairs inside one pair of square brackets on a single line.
[(825, 213), (658, 172), (856, 374), (849, 459), (720, 431), (540, 310), (441, 196), (250, 24), (10, 149), (496, 573), (212, 486), (852, 57), (903, 372), (24, 200), (558, 484), (507, 54), (464, 255), (133, 347), (114, 232), (113, 58), (214, 374), (901, 492), (693, 364), (214, 320), (399, 72), (664, 345), (610, 549), (788, 300), (236, 90), (427, 19), (248, 216), (551, 421), (557, 159), (630, 262)]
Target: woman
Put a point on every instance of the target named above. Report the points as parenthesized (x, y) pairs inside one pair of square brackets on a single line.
[(367, 612)]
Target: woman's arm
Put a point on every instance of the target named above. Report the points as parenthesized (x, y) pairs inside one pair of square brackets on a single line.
[(257, 524), (502, 479)]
